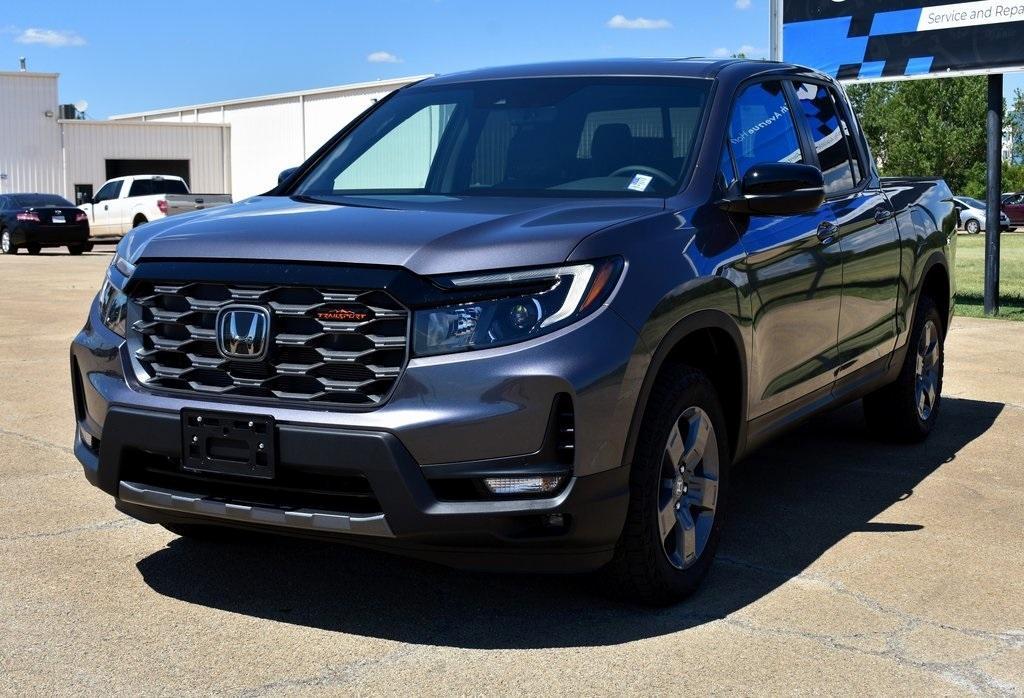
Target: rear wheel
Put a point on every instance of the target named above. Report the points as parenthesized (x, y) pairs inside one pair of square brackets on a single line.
[(7, 246), (33, 248), (76, 249), (907, 409), (139, 220), (973, 227), (677, 492)]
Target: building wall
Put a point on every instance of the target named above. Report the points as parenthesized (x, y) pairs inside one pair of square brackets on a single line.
[(270, 134), (89, 144), (30, 154)]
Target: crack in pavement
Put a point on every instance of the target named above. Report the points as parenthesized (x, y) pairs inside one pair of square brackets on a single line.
[(35, 440), (965, 674), (120, 522)]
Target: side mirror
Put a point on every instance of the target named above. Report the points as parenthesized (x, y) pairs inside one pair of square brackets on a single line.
[(778, 189), (285, 174)]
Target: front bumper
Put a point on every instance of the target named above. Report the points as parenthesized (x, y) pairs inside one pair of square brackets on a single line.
[(450, 420)]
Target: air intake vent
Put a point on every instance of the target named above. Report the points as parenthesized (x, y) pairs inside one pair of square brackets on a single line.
[(565, 426)]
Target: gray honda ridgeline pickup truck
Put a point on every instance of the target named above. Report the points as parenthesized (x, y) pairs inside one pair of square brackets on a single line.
[(522, 318)]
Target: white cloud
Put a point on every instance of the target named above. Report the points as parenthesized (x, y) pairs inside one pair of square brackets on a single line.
[(623, 22), (53, 38), (747, 50), (383, 57), (742, 4)]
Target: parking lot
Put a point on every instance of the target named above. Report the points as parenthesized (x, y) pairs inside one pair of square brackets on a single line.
[(848, 565)]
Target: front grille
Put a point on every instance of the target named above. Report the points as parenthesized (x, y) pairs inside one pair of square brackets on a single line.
[(325, 346)]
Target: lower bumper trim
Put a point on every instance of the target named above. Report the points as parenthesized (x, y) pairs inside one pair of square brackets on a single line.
[(305, 519)]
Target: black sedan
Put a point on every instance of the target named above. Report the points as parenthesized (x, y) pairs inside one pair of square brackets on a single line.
[(35, 221)]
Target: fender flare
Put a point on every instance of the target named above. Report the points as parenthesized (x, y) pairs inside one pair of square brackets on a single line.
[(694, 322)]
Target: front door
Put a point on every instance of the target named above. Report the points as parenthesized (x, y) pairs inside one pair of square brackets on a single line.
[(106, 219), (794, 263)]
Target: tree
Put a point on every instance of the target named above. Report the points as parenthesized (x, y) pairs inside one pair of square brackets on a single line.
[(932, 128), (1015, 117)]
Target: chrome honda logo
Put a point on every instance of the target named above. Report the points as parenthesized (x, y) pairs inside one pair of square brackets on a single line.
[(243, 332)]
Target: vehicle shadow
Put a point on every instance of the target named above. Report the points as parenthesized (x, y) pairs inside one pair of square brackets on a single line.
[(791, 502)]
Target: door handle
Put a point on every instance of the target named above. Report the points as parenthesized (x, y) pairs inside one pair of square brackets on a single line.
[(827, 232), (882, 214)]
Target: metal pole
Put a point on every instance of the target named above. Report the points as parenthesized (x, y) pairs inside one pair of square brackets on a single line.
[(775, 29), (994, 126)]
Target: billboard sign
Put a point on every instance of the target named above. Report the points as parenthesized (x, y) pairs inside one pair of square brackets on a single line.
[(900, 39)]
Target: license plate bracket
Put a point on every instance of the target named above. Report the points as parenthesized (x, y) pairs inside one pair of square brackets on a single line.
[(228, 443)]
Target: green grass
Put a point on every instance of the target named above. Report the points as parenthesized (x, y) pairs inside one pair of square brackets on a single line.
[(970, 276)]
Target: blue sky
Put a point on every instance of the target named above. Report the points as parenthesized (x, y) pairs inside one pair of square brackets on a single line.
[(126, 57)]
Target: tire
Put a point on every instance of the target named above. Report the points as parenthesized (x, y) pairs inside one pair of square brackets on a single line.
[(140, 220), (87, 247), (33, 248), (7, 245), (76, 249), (907, 409), (973, 227), (669, 517)]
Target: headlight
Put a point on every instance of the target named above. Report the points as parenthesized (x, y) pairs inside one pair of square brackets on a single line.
[(520, 305), (112, 300)]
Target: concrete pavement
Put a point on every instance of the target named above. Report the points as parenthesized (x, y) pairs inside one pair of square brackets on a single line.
[(848, 565)]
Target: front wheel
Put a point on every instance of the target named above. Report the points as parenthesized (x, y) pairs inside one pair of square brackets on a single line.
[(907, 409), (76, 249), (7, 246), (973, 227), (677, 492)]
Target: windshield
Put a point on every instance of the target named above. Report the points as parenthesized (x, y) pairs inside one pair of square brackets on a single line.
[(35, 200), (529, 137), (973, 203)]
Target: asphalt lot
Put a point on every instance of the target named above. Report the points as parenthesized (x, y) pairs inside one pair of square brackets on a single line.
[(848, 566)]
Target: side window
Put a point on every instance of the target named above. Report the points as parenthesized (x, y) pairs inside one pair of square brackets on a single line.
[(108, 191), (762, 129), (829, 133), (141, 187)]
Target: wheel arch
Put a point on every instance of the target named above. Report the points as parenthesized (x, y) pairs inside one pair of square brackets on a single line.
[(936, 283), (709, 340)]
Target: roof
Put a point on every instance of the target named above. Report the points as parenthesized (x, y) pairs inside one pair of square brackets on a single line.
[(26, 74), (705, 68), (392, 83)]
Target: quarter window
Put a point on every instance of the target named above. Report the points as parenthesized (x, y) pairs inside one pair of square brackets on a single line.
[(762, 129)]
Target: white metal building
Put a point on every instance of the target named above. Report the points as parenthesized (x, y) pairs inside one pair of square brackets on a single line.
[(273, 132), (40, 152), (237, 146)]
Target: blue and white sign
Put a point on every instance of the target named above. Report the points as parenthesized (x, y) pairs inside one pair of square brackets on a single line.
[(901, 39)]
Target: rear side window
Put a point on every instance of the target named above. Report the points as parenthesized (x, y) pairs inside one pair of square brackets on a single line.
[(830, 135), (762, 129), (141, 187)]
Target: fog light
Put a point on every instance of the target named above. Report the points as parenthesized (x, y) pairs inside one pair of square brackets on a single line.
[(87, 439), (533, 484)]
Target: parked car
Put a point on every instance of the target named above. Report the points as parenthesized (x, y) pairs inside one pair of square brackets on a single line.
[(1013, 207), (124, 203), (522, 318), (972, 214), (35, 221)]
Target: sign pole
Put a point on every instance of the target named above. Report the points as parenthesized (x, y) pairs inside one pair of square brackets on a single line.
[(775, 23), (994, 126)]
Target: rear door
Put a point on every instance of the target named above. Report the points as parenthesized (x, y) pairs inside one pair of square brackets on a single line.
[(793, 262), (867, 233)]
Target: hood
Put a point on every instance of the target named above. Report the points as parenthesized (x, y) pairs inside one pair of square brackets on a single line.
[(427, 235)]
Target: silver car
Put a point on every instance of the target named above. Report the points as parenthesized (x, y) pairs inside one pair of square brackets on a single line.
[(972, 215)]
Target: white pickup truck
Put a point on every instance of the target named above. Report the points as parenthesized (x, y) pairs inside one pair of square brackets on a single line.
[(124, 203)]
